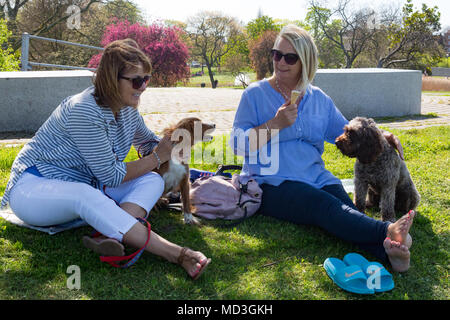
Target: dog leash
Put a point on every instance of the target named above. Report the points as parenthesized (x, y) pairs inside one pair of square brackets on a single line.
[(112, 260), (132, 258)]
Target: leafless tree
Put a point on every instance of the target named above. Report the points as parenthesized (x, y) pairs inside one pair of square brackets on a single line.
[(10, 9), (411, 34), (348, 30), (213, 35)]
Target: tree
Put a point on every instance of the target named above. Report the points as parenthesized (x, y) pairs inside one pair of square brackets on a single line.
[(40, 17), (57, 14), (8, 61), (260, 53), (330, 55), (235, 63), (348, 31), (213, 35), (255, 28), (412, 38), (10, 8), (167, 53), (237, 59)]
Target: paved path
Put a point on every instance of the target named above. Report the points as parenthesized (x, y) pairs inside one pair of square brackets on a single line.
[(160, 106)]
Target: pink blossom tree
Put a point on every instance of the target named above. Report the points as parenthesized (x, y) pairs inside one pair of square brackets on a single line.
[(168, 54)]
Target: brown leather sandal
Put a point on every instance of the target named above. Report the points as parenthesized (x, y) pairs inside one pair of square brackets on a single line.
[(183, 256)]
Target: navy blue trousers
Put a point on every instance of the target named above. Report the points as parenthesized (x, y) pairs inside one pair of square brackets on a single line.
[(329, 208)]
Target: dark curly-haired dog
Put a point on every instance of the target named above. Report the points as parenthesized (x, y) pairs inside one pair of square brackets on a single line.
[(381, 177)]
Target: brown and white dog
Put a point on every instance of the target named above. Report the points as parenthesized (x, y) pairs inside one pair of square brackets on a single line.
[(175, 172), (381, 177)]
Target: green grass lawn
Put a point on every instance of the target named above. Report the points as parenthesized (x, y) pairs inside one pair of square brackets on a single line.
[(262, 258), (225, 78), (438, 93)]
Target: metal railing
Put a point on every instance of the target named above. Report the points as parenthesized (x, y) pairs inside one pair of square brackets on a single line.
[(26, 64)]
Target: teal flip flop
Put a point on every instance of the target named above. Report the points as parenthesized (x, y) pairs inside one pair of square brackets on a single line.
[(378, 277), (348, 277)]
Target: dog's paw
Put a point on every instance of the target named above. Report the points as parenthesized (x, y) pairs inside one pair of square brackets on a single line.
[(162, 203), (190, 219)]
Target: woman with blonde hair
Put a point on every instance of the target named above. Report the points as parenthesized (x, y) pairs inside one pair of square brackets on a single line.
[(74, 165), (298, 188)]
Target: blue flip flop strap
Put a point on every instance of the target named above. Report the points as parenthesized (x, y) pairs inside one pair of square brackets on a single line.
[(357, 259), (351, 273), (374, 267)]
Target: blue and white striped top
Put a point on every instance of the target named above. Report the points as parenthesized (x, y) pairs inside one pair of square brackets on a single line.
[(83, 142)]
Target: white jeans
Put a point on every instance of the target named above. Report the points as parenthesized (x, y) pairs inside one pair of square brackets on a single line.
[(44, 202)]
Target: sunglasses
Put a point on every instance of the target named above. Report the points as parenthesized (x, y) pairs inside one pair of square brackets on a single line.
[(138, 81), (290, 58)]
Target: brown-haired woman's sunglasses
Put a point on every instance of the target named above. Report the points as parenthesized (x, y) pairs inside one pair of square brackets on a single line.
[(138, 81), (290, 58)]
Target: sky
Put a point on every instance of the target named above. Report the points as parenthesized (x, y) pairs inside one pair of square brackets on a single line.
[(246, 10)]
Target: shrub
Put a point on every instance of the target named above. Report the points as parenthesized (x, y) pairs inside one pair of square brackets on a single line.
[(168, 54), (435, 84), (8, 60)]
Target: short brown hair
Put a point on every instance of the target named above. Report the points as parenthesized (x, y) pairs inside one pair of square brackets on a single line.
[(118, 57)]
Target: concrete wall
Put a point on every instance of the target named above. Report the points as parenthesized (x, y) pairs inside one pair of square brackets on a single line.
[(372, 92), (28, 98)]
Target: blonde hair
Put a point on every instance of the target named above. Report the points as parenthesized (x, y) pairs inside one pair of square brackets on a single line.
[(306, 49), (118, 57)]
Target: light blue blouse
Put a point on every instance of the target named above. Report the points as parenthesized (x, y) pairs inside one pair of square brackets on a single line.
[(83, 142), (296, 152)]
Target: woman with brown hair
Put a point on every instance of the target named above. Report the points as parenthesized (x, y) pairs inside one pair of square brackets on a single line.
[(74, 165)]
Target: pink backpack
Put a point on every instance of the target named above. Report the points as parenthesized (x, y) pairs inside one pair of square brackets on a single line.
[(219, 197)]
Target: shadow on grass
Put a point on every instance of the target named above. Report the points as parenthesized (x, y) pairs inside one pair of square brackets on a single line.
[(290, 263), (261, 258), (36, 266), (414, 117)]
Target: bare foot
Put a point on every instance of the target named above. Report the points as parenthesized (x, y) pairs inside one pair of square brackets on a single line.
[(194, 262), (398, 255), (399, 230)]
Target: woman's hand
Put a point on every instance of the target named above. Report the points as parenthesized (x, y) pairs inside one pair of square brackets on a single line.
[(395, 142), (161, 153), (164, 149), (285, 116)]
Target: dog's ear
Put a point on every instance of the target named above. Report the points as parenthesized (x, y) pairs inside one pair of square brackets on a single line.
[(168, 131), (370, 142), (187, 124)]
